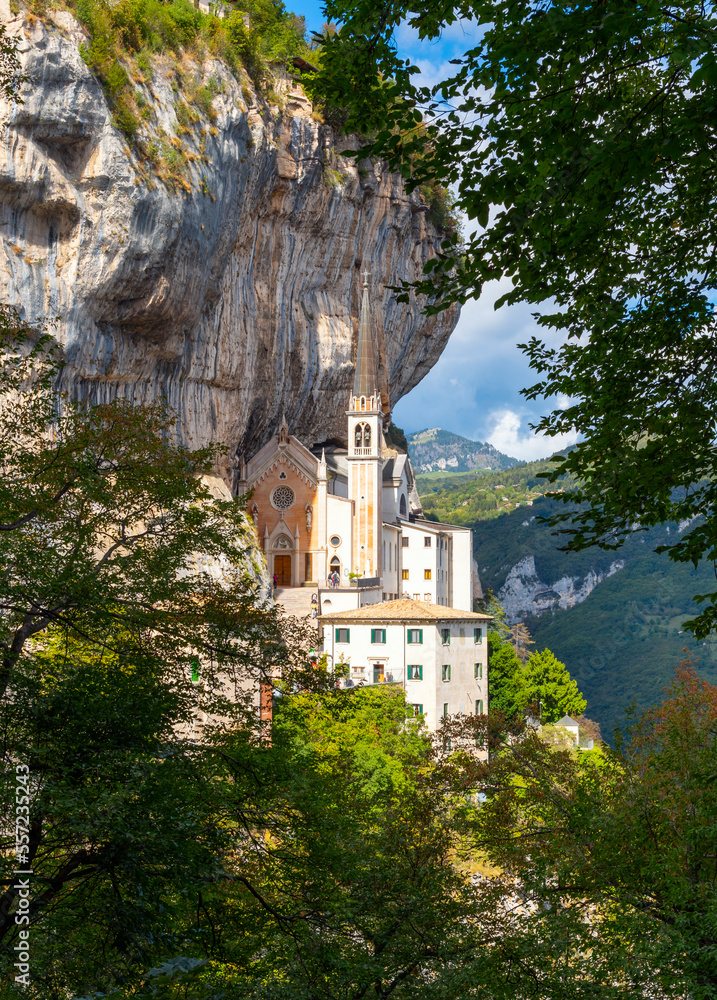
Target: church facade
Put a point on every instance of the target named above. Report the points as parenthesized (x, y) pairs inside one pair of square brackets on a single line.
[(348, 520)]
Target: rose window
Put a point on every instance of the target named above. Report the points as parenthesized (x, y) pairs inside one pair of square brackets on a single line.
[(283, 497)]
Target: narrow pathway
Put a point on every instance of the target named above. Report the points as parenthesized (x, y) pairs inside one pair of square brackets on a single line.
[(296, 601)]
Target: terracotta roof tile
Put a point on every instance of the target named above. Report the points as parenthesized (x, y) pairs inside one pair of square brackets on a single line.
[(404, 609)]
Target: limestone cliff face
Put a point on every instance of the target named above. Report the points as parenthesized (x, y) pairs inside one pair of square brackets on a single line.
[(234, 295)]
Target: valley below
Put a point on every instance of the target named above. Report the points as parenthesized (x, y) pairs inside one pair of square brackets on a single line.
[(615, 618)]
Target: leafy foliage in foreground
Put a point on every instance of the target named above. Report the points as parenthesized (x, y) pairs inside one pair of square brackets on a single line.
[(118, 568), (580, 137), (621, 844)]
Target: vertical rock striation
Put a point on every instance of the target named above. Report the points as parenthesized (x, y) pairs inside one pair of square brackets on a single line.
[(233, 290)]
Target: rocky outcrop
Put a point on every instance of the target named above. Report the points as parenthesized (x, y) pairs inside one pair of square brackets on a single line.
[(524, 593), (231, 288)]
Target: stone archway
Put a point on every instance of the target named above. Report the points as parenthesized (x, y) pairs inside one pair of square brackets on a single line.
[(282, 570), (283, 560)]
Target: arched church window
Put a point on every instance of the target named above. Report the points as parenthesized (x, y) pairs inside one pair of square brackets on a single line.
[(366, 436), (402, 505), (358, 437)]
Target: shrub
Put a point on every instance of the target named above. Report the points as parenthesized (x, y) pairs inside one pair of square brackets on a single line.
[(120, 30)]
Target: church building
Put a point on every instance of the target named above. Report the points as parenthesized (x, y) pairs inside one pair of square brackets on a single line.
[(395, 591), (348, 521)]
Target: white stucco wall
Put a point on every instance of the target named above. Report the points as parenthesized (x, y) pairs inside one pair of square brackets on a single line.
[(338, 521), (462, 584), (462, 653)]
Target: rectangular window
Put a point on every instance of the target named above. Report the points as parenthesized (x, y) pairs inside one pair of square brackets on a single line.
[(478, 671), (446, 672), (404, 542), (195, 670), (416, 709), (307, 566), (477, 635), (426, 574), (445, 709), (445, 636), (342, 635), (378, 635), (427, 598), (427, 541), (415, 635), (404, 574), (415, 672), (479, 707)]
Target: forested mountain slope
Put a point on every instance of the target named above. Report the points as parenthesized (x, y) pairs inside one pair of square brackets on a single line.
[(615, 618)]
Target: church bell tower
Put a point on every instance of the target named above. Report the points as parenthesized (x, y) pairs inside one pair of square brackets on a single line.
[(365, 459)]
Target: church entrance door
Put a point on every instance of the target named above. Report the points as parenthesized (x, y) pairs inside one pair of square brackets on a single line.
[(282, 568)]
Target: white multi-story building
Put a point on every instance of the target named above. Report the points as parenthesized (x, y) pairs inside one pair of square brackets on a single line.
[(438, 655)]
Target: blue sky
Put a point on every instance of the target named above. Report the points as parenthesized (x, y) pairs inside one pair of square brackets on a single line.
[(474, 389)]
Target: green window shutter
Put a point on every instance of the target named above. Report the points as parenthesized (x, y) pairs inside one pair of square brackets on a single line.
[(478, 635), (195, 670), (338, 635), (420, 674), (348, 635), (373, 635), (420, 635)]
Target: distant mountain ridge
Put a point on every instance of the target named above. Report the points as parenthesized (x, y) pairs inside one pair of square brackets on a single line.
[(436, 450), (616, 618)]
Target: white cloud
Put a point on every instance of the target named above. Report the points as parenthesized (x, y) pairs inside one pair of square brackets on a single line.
[(509, 437)]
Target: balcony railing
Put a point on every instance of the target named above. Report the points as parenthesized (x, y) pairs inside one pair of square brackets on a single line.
[(361, 583), (365, 675), (363, 452)]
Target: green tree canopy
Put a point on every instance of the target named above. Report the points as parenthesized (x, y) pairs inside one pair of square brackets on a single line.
[(580, 138), (118, 570), (505, 678), (547, 683), (617, 849)]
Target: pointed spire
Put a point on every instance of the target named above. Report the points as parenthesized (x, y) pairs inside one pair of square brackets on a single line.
[(365, 378)]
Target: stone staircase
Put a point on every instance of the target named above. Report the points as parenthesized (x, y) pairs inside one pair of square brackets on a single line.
[(296, 601)]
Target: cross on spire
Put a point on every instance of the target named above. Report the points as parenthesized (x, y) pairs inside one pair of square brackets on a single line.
[(366, 274)]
